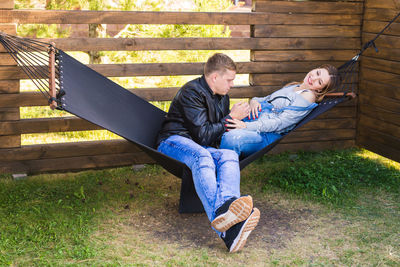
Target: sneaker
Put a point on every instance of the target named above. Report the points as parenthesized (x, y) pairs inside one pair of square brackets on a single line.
[(235, 238), (232, 212)]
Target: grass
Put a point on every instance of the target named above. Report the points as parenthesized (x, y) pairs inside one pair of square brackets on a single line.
[(120, 217)]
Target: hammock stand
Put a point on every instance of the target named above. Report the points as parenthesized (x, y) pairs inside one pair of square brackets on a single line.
[(81, 91)]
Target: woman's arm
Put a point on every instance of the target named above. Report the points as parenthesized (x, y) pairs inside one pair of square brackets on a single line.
[(276, 123)]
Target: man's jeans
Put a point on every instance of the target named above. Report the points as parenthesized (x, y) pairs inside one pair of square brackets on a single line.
[(245, 142), (216, 172)]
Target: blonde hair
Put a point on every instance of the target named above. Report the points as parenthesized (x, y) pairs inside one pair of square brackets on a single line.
[(219, 62)]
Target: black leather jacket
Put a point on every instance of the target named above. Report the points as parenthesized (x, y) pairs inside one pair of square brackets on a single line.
[(196, 113)]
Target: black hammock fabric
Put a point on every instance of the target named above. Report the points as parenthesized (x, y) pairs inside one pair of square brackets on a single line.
[(93, 97)]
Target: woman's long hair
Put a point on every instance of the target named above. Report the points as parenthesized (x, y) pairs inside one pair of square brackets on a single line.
[(333, 83)]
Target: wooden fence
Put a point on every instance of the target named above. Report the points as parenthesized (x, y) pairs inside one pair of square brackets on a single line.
[(287, 39), (378, 127)]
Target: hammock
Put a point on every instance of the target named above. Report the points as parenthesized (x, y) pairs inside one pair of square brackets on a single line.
[(81, 91)]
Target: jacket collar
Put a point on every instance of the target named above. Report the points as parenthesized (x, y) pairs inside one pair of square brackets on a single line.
[(204, 83)]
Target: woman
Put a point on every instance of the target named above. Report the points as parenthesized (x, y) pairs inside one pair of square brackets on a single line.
[(274, 115)]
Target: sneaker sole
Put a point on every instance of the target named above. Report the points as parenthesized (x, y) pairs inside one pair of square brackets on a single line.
[(238, 211), (244, 233)]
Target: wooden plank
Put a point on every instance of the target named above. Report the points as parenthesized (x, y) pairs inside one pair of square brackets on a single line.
[(8, 28), (171, 69), (339, 112), (26, 99), (381, 149), (380, 76), (380, 114), (371, 88), (306, 31), (303, 55), (381, 65), (312, 146), (387, 4), (385, 41), (66, 150), (378, 125), (380, 138), (380, 14), (319, 135), (384, 53), (46, 125), (63, 124), (10, 141), (384, 103), (6, 59), (9, 114), (331, 124), (308, 7), (7, 4), (74, 163), (9, 86), (192, 43), (278, 78), (148, 17), (376, 26)]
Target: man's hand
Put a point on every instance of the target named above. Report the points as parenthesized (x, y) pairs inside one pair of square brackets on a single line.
[(235, 124), (240, 110), (255, 107)]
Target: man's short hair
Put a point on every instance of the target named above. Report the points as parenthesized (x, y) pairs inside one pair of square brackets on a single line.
[(219, 62)]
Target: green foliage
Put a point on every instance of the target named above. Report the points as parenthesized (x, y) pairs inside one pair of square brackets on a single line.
[(329, 176)]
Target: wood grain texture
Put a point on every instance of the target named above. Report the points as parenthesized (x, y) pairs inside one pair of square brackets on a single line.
[(74, 163), (149, 17), (65, 150), (308, 7), (6, 4)]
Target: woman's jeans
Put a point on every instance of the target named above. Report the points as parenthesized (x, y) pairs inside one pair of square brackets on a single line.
[(245, 142), (216, 172)]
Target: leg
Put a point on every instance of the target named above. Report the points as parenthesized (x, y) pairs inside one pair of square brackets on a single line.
[(199, 160), (228, 175), (243, 142), (234, 217)]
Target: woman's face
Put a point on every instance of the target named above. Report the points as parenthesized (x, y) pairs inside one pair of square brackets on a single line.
[(317, 79)]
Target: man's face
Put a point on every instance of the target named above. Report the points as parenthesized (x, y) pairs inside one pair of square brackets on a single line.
[(222, 81)]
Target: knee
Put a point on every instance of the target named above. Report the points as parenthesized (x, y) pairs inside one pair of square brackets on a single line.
[(204, 158), (230, 140), (229, 155)]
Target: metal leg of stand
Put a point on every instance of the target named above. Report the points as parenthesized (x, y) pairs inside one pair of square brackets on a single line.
[(189, 201)]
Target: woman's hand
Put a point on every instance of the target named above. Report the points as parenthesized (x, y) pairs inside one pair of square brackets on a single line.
[(255, 107), (235, 124)]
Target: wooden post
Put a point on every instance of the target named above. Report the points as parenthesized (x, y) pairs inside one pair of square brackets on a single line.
[(8, 86), (52, 76)]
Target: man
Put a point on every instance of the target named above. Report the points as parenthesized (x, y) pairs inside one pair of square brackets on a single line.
[(191, 133)]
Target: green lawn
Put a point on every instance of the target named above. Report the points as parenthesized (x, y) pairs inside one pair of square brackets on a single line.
[(317, 209)]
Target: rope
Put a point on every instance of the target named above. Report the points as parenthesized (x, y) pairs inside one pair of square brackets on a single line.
[(33, 58), (372, 41)]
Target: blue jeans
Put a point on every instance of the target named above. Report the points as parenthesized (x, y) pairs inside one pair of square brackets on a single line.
[(216, 172), (245, 142)]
